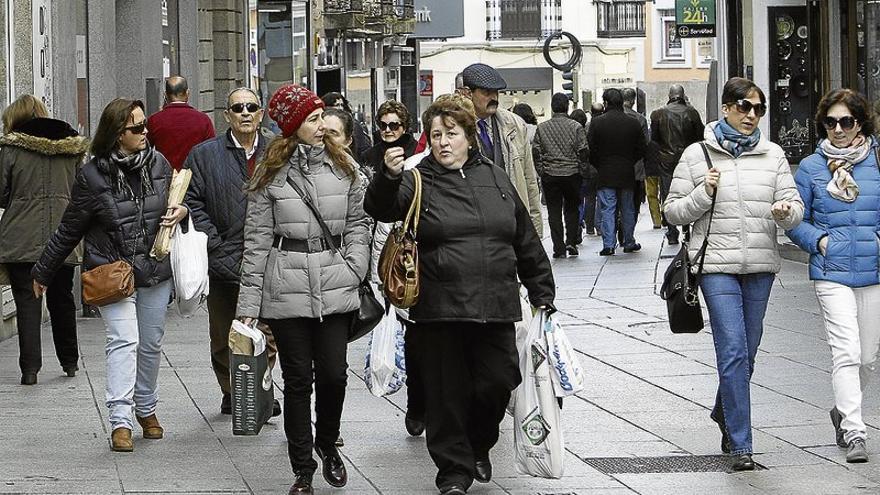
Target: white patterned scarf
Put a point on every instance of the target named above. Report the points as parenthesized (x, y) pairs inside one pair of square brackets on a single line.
[(841, 162)]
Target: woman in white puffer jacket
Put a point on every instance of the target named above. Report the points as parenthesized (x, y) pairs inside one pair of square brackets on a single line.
[(755, 194)]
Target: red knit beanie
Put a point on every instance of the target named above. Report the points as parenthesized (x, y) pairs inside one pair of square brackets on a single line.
[(290, 106)]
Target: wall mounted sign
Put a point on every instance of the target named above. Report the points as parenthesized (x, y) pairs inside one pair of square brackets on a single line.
[(695, 18)]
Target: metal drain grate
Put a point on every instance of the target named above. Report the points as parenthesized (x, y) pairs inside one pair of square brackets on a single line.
[(664, 464)]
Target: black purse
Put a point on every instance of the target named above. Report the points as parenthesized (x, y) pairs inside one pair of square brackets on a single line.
[(681, 285), (370, 310)]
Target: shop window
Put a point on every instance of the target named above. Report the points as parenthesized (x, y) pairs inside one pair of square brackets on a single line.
[(669, 50), (621, 18), (522, 19)]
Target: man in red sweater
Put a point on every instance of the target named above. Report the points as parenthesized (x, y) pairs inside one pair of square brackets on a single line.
[(178, 127)]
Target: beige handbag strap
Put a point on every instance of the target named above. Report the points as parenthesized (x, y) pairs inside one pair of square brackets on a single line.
[(413, 214)]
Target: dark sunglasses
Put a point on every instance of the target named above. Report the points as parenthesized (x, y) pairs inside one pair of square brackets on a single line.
[(394, 126), (745, 106), (239, 107), (136, 129), (846, 123)]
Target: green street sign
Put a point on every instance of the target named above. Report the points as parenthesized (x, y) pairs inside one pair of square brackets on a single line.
[(695, 18)]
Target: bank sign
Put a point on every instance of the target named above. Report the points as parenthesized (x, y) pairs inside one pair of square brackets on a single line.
[(695, 18), (439, 19)]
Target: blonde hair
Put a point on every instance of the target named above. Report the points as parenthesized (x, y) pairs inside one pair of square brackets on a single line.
[(25, 108)]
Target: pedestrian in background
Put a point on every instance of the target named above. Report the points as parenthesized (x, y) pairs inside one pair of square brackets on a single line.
[(674, 127), (217, 202), (629, 103), (588, 214), (472, 247), (561, 161), (503, 136), (303, 287), (616, 143), (178, 127), (117, 204), (392, 119), (39, 159), (525, 112), (840, 187), (750, 179), (360, 135)]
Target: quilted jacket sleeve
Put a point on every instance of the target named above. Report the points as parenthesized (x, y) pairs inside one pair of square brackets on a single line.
[(531, 184), (74, 225), (195, 200), (538, 152), (259, 230), (787, 191), (687, 200), (806, 235), (356, 236)]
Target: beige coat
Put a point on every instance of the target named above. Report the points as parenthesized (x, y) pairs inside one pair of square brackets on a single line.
[(519, 163), (743, 235)]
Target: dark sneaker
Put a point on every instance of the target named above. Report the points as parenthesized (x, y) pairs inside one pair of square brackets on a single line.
[(559, 255), (226, 404), (672, 241), (743, 462), (572, 250), (856, 451), (839, 432), (631, 249), (276, 408), (607, 252)]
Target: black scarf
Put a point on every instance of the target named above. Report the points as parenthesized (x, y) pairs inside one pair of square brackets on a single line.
[(118, 165)]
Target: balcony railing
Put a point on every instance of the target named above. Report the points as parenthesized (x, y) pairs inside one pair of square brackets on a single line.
[(343, 7), (520, 19), (621, 19)]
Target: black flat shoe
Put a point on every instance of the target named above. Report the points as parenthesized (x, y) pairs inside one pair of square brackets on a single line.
[(226, 404), (607, 252), (414, 427), (743, 462), (631, 249), (332, 467), (28, 378), (71, 370), (276, 408), (453, 490), (301, 485), (572, 250), (839, 432), (483, 471)]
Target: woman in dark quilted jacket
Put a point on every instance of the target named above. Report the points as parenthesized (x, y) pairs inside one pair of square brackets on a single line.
[(39, 158), (475, 239), (117, 204)]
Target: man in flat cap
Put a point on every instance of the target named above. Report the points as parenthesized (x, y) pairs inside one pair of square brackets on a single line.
[(502, 135)]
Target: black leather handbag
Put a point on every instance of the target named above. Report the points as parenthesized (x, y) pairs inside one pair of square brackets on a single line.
[(370, 310), (681, 284)]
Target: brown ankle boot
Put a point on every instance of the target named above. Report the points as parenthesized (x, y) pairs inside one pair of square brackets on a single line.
[(120, 440), (152, 429)]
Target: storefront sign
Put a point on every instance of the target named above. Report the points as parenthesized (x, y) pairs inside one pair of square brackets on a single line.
[(42, 52), (426, 83), (695, 18), (439, 19)]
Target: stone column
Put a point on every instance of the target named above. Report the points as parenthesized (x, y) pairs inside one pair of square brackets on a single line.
[(139, 51), (188, 52), (64, 61), (103, 71)]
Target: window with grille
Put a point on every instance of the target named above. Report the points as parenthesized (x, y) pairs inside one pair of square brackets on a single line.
[(621, 18), (522, 19)]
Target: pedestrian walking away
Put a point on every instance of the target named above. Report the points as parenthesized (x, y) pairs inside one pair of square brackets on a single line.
[(754, 192), (616, 143), (840, 187), (303, 287), (673, 128), (117, 204), (475, 237), (178, 127), (503, 136), (217, 202), (39, 158), (561, 160), (639, 195), (587, 211)]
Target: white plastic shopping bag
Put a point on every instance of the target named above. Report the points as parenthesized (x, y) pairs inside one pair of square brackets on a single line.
[(189, 264), (385, 369), (565, 366), (522, 331), (537, 425)]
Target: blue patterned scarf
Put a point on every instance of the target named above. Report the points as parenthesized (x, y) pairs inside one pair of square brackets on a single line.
[(734, 141)]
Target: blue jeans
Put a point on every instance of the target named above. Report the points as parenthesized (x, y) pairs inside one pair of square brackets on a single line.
[(135, 326), (588, 217), (609, 201), (736, 304)]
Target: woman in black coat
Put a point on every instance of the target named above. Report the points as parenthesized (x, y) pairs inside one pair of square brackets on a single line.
[(117, 205), (392, 119), (475, 238)]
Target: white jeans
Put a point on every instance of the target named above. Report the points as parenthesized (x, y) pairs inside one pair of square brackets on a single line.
[(135, 327), (852, 322)]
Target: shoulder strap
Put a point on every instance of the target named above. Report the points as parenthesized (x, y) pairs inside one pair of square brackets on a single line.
[(308, 201), (411, 222), (701, 254)]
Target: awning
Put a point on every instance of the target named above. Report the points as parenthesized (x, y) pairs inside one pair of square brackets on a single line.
[(528, 78)]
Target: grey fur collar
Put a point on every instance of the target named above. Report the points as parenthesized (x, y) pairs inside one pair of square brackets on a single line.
[(74, 146)]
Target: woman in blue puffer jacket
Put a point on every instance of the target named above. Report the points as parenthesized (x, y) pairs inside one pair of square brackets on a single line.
[(840, 186)]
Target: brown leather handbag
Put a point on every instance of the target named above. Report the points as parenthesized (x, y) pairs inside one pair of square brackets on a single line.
[(107, 284), (399, 261)]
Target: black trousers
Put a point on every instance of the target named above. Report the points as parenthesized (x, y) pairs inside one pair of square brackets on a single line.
[(563, 198), (311, 350), (29, 316), (415, 388), (468, 371)]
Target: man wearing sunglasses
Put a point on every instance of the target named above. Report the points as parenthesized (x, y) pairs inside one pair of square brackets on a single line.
[(178, 127), (502, 135), (217, 203)]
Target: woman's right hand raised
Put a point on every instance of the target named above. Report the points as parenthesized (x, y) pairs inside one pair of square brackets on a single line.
[(247, 320), (710, 182), (394, 158)]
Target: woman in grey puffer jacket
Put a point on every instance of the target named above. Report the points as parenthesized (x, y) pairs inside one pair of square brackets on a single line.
[(755, 194), (303, 288)]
